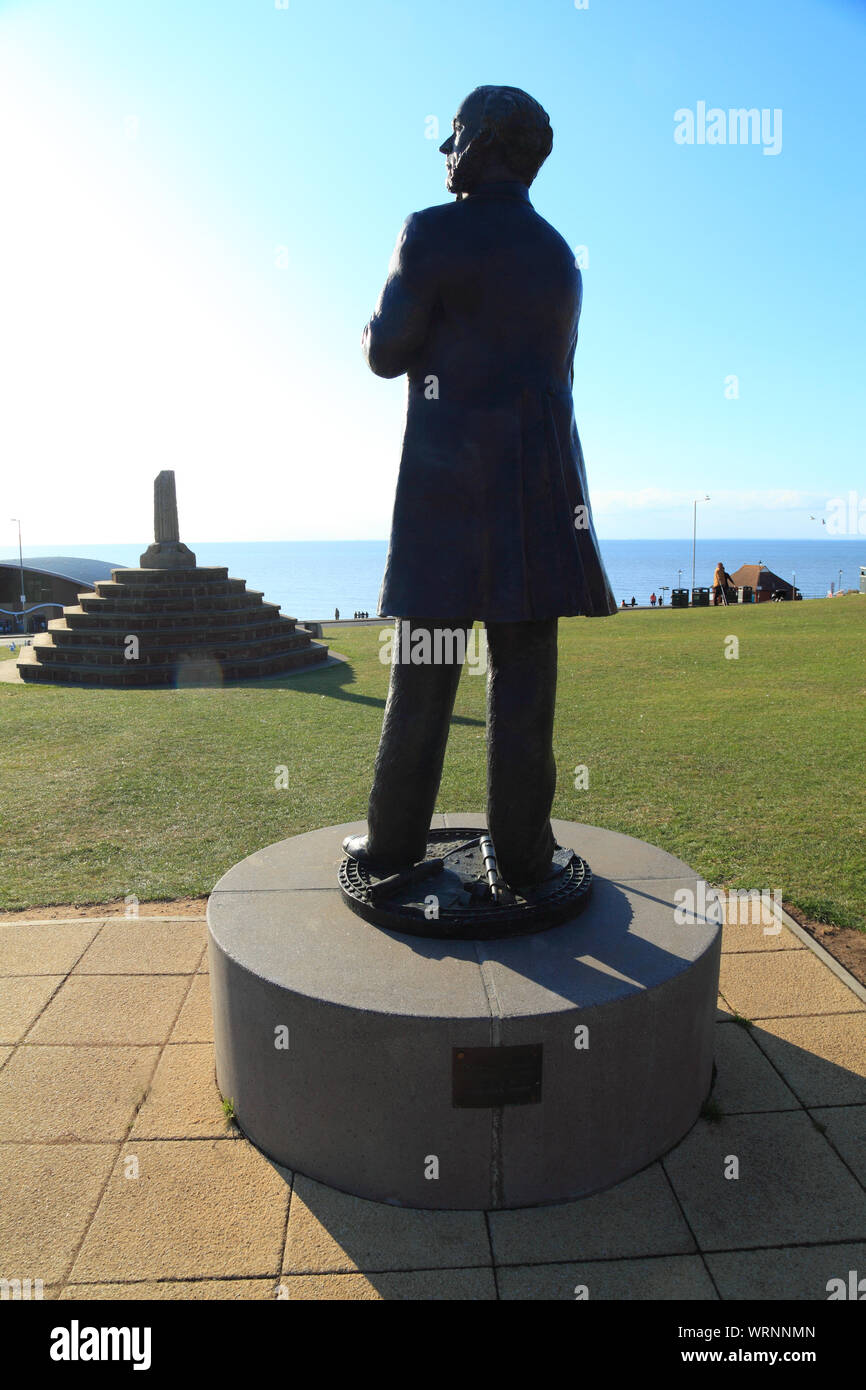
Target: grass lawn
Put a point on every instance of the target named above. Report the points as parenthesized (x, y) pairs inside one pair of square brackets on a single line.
[(751, 769)]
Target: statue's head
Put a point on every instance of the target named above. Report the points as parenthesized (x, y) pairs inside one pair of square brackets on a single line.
[(499, 131)]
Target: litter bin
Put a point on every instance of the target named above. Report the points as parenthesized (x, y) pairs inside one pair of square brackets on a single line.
[(700, 598), (679, 598)]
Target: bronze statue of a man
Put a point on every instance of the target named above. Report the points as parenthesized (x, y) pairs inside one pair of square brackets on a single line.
[(491, 518)]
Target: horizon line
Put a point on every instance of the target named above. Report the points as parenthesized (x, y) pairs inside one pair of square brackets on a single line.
[(383, 540)]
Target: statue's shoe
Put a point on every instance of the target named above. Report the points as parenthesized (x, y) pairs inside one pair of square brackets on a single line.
[(526, 889), (357, 848)]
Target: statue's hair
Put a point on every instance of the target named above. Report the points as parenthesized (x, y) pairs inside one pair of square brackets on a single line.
[(520, 125)]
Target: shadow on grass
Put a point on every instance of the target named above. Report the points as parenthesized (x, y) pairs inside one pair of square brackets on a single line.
[(333, 681)]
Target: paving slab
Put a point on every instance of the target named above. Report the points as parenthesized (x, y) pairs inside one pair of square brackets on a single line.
[(672, 1277), (796, 1272), (197, 1208), (823, 1059), (183, 1101), (191, 1290), (46, 949), (50, 1193), (60, 1094), (797, 1211), (195, 1023), (745, 1080), (791, 1187), (846, 1130), (112, 1009), (333, 1232), (758, 936), (96, 917), (638, 1217), (22, 999), (427, 1284), (133, 946), (775, 984)]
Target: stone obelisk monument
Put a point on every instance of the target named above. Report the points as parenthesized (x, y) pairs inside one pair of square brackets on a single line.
[(191, 623), (168, 551)]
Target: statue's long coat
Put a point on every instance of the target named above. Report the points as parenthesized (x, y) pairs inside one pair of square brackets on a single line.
[(491, 517)]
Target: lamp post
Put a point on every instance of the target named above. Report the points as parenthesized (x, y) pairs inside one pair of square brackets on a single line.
[(694, 542), (679, 579), (840, 581), (21, 570), (794, 585)]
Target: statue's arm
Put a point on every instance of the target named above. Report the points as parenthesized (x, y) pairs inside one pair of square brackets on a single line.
[(401, 320), (578, 308)]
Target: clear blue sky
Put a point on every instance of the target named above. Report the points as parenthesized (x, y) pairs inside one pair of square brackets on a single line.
[(200, 200)]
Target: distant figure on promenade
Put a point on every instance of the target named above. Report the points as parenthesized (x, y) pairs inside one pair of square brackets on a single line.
[(336, 615), (623, 604), (721, 580), (632, 601), (653, 600), (661, 599)]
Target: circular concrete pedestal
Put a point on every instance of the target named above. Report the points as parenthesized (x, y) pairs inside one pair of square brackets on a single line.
[(463, 1074)]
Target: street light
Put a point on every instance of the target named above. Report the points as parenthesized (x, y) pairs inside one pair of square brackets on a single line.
[(694, 541), (21, 570)]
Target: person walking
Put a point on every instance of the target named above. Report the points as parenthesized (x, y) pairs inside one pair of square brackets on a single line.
[(722, 581)]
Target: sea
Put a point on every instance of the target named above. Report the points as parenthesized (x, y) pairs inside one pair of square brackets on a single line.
[(311, 579)]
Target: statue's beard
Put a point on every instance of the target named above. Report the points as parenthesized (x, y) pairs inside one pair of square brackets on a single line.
[(464, 170)]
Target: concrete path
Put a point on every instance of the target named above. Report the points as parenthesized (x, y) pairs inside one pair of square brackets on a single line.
[(122, 1178), (9, 665)]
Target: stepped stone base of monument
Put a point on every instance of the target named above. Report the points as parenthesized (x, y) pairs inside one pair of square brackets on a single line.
[(151, 627), (463, 1074)]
